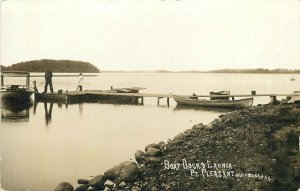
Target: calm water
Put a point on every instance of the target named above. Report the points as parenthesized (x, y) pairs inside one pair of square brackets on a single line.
[(44, 144)]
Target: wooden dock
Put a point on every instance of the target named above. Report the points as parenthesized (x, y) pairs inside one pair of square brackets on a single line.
[(129, 98)]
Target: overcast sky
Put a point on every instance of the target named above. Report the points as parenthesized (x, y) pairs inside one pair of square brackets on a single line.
[(154, 34)]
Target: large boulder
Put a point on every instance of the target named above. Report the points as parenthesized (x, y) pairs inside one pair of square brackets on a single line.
[(97, 182), (152, 160), (64, 186), (152, 145), (83, 187), (125, 171), (139, 155), (82, 181), (152, 152)]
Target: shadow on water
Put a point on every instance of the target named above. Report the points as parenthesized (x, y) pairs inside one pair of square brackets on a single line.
[(200, 108), (15, 109)]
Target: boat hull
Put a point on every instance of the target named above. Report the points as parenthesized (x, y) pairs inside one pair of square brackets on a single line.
[(242, 103), (16, 94)]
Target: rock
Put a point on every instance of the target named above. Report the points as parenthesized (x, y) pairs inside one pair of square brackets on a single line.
[(152, 160), (64, 186), (92, 189), (109, 183), (125, 171), (122, 185), (83, 187), (82, 181), (139, 155), (107, 189), (152, 152), (179, 137), (97, 182), (162, 144), (130, 172), (153, 145), (199, 126)]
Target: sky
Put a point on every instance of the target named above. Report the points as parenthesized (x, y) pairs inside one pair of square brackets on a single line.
[(153, 34)]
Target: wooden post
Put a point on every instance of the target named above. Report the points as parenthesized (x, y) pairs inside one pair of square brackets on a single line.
[(28, 80), (2, 80), (142, 100), (158, 101), (168, 101), (34, 86)]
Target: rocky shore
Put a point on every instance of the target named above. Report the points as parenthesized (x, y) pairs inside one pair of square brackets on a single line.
[(251, 149)]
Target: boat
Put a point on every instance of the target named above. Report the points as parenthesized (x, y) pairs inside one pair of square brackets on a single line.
[(128, 90), (241, 103), (292, 78), (16, 91), (222, 93), (295, 98)]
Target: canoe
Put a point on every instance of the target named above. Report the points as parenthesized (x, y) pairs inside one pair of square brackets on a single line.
[(220, 93), (241, 103)]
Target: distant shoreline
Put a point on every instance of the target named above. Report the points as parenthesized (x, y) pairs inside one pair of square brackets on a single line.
[(212, 71)]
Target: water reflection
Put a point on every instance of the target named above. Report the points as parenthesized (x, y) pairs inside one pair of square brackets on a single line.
[(15, 109), (198, 108), (48, 113)]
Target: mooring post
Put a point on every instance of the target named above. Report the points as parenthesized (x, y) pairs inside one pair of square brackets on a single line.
[(2, 80), (168, 101), (35, 88)]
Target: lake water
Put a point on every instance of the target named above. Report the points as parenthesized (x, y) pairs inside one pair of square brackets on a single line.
[(44, 144)]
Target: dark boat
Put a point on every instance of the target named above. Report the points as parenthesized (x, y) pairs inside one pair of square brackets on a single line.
[(16, 91)]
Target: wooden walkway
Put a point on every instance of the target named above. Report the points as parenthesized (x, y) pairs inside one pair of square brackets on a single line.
[(134, 98)]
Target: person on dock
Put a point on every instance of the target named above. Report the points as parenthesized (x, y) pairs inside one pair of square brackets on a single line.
[(48, 78), (79, 87)]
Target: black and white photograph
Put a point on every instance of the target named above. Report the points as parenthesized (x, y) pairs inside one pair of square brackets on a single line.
[(150, 95)]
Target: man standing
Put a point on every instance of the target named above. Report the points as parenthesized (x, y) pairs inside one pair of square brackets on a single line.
[(48, 78), (79, 87)]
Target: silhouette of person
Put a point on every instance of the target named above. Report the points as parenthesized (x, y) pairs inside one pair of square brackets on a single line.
[(79, 87), (48, 78)]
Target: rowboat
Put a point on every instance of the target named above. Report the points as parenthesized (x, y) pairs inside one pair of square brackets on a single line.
[(191, 101), (16, 91), (128, 90), (220, 93)]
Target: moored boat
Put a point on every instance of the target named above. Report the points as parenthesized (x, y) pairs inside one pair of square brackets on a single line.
[(16, 91), (292, 78), (241, 103), (222, 93)]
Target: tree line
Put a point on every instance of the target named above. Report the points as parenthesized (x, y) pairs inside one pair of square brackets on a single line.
[(52, 65)]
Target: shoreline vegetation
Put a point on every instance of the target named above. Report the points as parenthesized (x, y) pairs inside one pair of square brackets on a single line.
[(251, 149), (70, 66), (67, 66)]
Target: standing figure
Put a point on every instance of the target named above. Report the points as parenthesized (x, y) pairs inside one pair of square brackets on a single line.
[(48, 78), (79, 87)]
